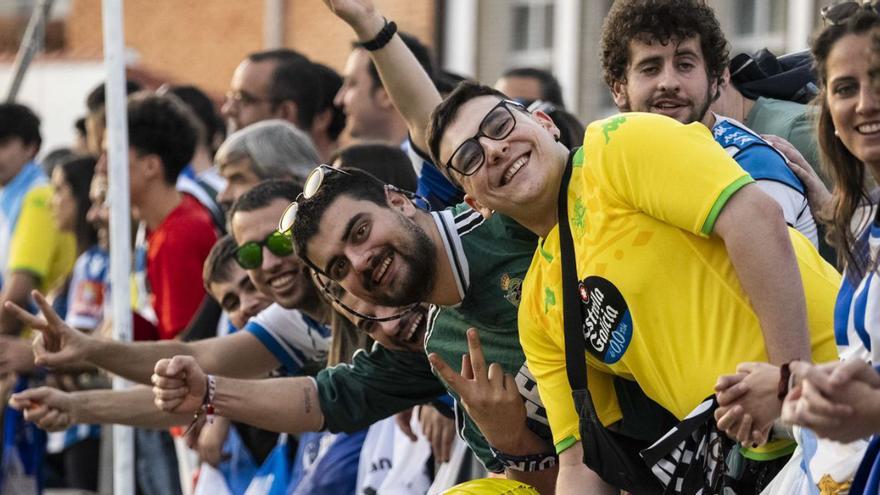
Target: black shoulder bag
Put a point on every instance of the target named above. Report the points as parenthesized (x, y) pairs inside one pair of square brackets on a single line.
[(614, 457)]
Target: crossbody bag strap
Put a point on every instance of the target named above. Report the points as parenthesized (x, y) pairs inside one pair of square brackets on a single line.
[(572, 319)]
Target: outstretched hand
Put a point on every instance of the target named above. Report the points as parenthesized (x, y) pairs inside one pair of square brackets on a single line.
[(48, 408), (179, 384), (57, 343), (489, 395)]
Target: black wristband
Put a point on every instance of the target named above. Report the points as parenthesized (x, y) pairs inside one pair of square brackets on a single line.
[(784, 381), (382, 38), (527, 463)]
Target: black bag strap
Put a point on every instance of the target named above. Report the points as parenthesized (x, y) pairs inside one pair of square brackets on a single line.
[(572, 318)]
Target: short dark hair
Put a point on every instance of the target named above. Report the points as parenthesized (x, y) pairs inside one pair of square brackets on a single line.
[(662, 21), (355, 184), (418, 49), (446, 111), (294, 78), (162, 125), (264, 194), (19, 121), (203, 109), (218, 264), (389, 164), (550, 89), (97, 97), (331, 81)]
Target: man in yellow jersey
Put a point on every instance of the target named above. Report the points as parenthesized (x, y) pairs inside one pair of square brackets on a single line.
[(673, 243)]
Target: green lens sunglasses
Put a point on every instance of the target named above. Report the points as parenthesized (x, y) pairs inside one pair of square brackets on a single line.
[(250, 254)]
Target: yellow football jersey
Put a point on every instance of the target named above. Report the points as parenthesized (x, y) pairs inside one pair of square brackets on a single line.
[(662, 303)]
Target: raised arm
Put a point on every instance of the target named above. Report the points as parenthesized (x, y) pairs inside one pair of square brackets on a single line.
[(410, 88)]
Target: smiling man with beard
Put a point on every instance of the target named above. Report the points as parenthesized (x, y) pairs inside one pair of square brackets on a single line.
[(669, 58)]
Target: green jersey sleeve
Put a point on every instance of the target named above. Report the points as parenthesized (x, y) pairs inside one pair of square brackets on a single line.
[(376, 385)]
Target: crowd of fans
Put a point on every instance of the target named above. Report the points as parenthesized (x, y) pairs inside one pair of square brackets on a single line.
[(399, 281)]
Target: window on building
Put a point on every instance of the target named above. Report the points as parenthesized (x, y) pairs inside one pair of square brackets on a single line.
[(532, 33), (759, 24)]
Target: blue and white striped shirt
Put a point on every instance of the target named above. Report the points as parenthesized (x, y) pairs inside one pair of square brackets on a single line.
[(857, 310)]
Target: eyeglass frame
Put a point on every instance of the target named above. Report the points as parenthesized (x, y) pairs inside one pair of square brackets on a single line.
[(246, 99), (317, 277), (480, 133), (873, 5), (262, 244)]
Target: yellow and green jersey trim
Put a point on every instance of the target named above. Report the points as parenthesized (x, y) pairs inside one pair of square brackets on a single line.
[(770, 450), (723, 198), (565, 444)]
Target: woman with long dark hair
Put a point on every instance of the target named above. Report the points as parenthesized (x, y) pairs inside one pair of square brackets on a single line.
[(80, 303), (841, 400)]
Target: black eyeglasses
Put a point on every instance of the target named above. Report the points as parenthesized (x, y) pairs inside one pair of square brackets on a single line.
[(837, 14), (498, 123), (334, 291), (250, 254)]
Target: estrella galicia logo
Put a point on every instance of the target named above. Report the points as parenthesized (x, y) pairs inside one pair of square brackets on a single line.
[(607, 324)]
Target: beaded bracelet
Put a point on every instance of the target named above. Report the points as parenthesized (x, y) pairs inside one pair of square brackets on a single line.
[(207, 406)]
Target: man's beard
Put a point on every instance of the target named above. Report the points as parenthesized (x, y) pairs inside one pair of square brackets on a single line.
[(698, 112), (419, 256)]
